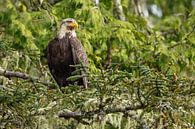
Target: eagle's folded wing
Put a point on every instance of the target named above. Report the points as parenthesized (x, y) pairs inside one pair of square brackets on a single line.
[(79, 57)]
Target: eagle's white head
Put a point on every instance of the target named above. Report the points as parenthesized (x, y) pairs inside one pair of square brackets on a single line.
[(68, 25)]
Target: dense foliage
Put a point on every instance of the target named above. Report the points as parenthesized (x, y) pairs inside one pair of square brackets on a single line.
[(141, 74)]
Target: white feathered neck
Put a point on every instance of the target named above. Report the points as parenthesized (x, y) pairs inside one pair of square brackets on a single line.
[(63, 32)]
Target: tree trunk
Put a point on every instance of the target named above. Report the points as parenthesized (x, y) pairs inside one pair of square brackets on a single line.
[(118, 13), (109, 53), (118, 10), (141, 8), (96, 2)]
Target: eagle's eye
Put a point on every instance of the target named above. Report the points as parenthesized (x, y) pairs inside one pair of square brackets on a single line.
[(69, 24)]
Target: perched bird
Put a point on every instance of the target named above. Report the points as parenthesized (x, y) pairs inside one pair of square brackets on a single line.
[(66, 50)]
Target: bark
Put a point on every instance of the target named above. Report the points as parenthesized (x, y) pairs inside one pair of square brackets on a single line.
[(118, 10), (109, 53), (96, 2), (140, 7), (9, 74), (119, 14), (90, 114)]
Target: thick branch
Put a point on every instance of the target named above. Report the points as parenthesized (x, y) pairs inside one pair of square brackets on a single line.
[(83, 115), (9, 74)]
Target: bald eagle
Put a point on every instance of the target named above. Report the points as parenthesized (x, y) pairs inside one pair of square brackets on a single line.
[(66, 50)]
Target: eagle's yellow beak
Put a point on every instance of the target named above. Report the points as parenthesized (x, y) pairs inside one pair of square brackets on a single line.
[(74, 25)]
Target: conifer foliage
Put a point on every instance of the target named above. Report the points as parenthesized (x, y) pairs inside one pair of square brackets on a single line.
[(141, 73)]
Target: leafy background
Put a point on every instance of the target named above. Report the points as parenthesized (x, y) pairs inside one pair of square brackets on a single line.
[(142, 60)]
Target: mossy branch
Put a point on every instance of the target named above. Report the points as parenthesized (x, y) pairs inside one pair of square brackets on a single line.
[(10, 74), (67, 114)]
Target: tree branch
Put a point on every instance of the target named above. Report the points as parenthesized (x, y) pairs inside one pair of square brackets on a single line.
[(82, 115), (9, 74)]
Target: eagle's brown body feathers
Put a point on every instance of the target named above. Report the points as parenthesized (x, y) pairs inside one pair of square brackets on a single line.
[(62, 53)]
